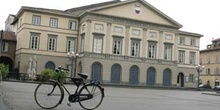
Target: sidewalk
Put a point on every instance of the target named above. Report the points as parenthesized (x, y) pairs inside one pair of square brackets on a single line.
[(211, 93), (2, 105)]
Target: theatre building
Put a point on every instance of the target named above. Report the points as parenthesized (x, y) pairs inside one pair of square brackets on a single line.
[(119, 42)]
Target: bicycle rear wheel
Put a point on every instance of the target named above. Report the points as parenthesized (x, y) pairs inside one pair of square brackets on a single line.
[(90, 96), (48, 95)]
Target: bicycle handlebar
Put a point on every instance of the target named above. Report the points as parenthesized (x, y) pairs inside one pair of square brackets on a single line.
[(60, 69)]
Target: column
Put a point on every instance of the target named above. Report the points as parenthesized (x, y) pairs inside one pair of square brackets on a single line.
[(144, 42), (127, 41), (160, 48), (175, 50), (108, 39), (88, 37)]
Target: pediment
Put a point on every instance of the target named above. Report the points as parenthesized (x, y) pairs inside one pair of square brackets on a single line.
[(137, 10)]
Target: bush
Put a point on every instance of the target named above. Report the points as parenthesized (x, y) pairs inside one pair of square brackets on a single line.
[(4, 70), (51, 74)]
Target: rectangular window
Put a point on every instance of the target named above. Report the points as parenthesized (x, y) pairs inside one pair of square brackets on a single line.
[(53, 22), (52, 43), (152, 50), (135, 45), (181, 56), (72, 25), (82, 43), (192, 57), (153, 34), (70, 45), (191, 78), (193, 42), (136, 32), (182, 41), (118, 29), (4, 47), (36, 20), (218, 59), (34, 41), (97, 44), (168, 37), (99, 26), (168, 52), (117, 46), (208, 71)]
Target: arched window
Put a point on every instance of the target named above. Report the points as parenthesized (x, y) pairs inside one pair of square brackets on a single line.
[(50, 65)]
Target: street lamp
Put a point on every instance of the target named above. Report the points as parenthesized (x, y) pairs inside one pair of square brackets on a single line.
[(199, 69), (73, 55)]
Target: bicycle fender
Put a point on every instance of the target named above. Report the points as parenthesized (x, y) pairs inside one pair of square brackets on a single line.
[(97, 83)]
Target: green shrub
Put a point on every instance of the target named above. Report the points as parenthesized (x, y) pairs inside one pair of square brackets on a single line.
[(4, 70), (51, 74)]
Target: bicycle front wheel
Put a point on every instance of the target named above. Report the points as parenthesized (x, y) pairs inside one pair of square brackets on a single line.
[(90, 96), (48, 95)]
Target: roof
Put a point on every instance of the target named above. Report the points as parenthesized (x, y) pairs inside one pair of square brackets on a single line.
[(79, 10), (8, 36), (210, 49), (190, 33)]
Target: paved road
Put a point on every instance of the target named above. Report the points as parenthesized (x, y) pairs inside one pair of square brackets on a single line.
[(19, 96)]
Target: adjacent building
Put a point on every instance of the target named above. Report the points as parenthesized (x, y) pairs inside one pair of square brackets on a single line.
[(120, 42), (7, 48), (210, 59)]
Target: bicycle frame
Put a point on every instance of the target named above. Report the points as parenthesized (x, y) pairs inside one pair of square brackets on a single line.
[(77, 82)]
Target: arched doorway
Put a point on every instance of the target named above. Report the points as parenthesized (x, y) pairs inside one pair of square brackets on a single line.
[(7, 61), (167, 77), (96, 71), (116, 73), (50, 65), (151, 76), (133, 77), (180, 79)]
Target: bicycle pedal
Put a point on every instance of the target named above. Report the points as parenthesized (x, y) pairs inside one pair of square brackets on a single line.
[(69, 104)]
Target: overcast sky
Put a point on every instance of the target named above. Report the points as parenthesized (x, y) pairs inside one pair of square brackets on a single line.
[(197, 16)]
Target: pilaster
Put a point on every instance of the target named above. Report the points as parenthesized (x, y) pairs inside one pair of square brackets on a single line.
[(127, 40)]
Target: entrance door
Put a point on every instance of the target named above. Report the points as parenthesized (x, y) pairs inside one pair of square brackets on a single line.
[(151, 75), (133, 78), (115, 73), (180, 79), (96, 71), (166, 77)]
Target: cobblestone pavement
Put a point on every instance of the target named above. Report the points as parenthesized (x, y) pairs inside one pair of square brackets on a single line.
[(19, 96)]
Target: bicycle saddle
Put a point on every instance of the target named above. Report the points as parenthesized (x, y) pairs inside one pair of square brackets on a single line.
[(83, 75)]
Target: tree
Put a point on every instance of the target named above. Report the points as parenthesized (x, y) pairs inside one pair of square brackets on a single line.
[(4, 70)]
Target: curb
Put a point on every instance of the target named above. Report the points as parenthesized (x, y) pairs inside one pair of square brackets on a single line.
[(214, 94)]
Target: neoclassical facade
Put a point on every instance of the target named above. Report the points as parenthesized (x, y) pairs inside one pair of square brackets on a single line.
[(119, 42)]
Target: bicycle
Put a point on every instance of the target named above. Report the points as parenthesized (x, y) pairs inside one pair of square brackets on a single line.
[(50, 94)]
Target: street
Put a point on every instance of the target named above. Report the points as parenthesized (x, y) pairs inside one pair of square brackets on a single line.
[(20, 96)]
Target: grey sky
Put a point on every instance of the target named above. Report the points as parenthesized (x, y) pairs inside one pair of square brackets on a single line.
[(198, 16)]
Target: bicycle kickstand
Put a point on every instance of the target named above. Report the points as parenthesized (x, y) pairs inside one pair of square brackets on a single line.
[(69, 104)]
